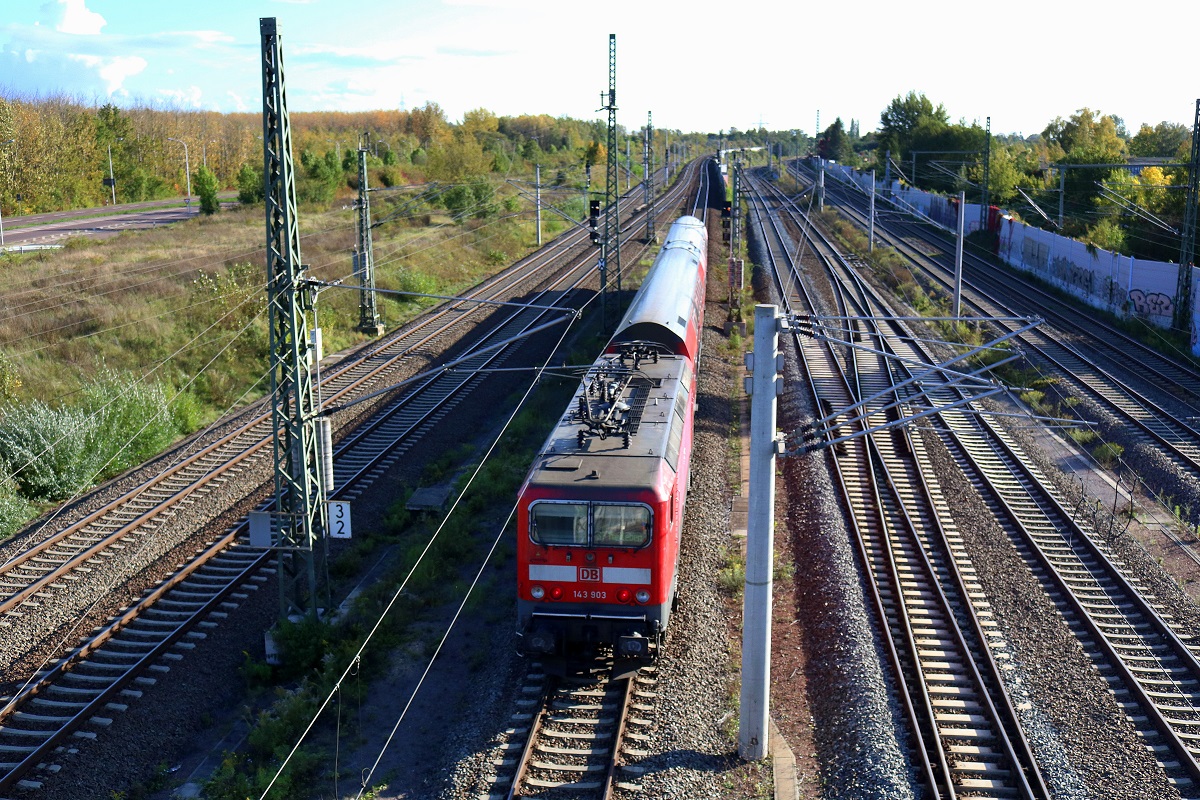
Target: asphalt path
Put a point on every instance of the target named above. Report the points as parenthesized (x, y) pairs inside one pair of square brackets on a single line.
[(56, 227)]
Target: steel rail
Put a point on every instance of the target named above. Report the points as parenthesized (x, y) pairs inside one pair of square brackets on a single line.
[(896, 459), (1091, 584)]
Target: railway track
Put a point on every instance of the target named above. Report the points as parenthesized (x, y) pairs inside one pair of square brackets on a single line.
[(1151, 667), (576, 733), (965, 736), (1083, 350), (192, 597)]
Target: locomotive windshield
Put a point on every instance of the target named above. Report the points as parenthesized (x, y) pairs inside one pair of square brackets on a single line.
[(611, 524), (559, 523), (622, 526)]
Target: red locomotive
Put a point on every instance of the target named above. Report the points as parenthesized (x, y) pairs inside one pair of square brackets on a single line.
[(601, 511)]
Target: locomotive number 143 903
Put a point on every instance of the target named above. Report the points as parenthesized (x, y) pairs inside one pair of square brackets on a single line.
[(585, 594)]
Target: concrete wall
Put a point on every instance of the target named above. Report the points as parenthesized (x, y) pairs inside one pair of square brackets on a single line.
[(1119, 284)]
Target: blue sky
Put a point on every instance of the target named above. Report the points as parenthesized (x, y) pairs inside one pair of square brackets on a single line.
[(699, 66)]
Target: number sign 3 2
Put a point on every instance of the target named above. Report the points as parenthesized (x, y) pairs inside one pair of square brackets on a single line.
[(339, 519)]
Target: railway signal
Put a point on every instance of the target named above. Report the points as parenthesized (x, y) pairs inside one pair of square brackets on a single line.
[(594, 220)]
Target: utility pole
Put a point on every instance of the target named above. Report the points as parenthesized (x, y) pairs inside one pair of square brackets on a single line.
[(764, 385), (1187, 247), (820, 183), (1062, 188), (987, 164), (648, 172), (871, 226), (628, 167), (958, 253), (368, 313), (610, 250), (537, 190), (187, 168), (298, 491)]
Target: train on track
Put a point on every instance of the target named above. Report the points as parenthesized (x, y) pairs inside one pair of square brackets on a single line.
[(600, 514)]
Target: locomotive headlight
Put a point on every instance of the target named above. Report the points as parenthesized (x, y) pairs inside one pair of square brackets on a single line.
[(643, 596), (556, 593), (624, 595), (537, 592)]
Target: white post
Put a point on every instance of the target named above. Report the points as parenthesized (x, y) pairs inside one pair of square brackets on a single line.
[(763, 387), (187, 168), (538, 202), (112, 183), (871, 227), (820, 184), (958, 253)]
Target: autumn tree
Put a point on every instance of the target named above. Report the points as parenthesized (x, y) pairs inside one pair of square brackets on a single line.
[(1164, 140)]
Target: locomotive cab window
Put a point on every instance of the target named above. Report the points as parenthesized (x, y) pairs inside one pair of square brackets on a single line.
[(555, 524), (559, 523), (621, 526)]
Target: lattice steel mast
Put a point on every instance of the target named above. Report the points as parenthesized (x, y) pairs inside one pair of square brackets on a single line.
[(648, 173), (364, 261), (1187, 247), (299, 510), (610, 249)]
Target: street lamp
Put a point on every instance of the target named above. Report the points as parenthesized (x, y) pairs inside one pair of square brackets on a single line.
[(6, 141), (187, 169), (112, 182)]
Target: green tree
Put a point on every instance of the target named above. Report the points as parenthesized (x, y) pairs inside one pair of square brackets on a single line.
[(908, 118), (205, 181), (1087, 137), (1164, 140), (321, 179), (250, 185), (835, 143)]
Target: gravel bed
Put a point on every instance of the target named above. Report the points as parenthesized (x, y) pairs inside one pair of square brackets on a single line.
[(28, 641), (1085, 745), (855, 711)]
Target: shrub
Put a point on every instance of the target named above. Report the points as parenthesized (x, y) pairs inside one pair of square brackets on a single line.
[(250, 185), (1108, 453), (206, 184), (15, 511), (53, 453)]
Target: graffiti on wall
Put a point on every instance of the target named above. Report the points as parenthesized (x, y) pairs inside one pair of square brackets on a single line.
[(1148, 304), (1034, 254), (1071, 274)]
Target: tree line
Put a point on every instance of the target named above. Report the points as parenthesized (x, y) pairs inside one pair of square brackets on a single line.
[(56, 153), (1134, 211)]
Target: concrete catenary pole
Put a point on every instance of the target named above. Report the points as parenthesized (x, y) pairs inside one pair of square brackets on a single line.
[(763, 386), (958, 253), (871, 226), (537, 189)]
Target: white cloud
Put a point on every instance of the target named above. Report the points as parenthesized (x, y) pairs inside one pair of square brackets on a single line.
[(113, 71), (79, 20), (190, 97), (238, 103)]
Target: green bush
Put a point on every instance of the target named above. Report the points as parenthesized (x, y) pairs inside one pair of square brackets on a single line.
[(1108, 453), (15, 511), (54, 453), (206, 183), (250, 185)]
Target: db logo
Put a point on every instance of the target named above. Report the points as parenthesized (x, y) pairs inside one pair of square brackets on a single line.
[(589, 573)]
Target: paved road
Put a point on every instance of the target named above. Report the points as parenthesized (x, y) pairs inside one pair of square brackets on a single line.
[(56, 227)]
